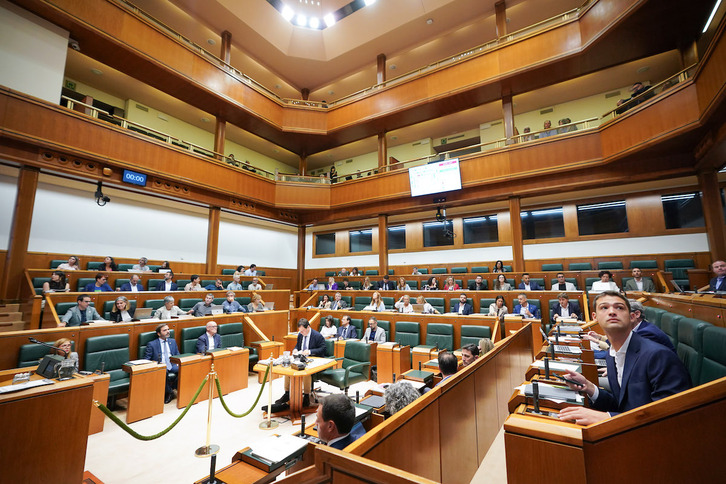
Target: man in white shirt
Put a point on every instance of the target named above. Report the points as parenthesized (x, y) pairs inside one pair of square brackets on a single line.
[(562, 284), (209, 340), (404, 304), (252, 270), (255, 285), (235, 284), (134, 285)]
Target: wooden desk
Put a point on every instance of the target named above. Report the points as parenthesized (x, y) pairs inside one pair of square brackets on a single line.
[(392, 359), (192, 370), (146, 391), (513, 324), (296, 383), (232, 366), (45, 432), (265, 349)]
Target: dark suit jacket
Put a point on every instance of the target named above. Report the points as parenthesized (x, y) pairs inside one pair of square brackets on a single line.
[(349, 331), (467, 308), (160, 286), (127, 286), (651, 372), (532, 309), (203, 343), (387, 286), (316, 343), (116, 316), (648, 330), (355, 433), (340, 304), (472, 287), (574, 309), (713, 287), (153, 351), (532, 284)]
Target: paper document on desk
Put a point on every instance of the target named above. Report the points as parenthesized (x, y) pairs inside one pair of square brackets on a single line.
[(25, 385), (558, 366), (318, 362), (566, 339), (139, 362), (277, 449), (557, 394)]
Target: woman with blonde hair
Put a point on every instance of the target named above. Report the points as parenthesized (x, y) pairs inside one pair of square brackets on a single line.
[(366, 286), (257, 304), (376, 303), (121, 311), (402, 286), (427, 307), (451, 285), (65, 345)]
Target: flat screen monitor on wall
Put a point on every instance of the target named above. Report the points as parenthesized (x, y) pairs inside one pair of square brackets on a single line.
[(441, 176)]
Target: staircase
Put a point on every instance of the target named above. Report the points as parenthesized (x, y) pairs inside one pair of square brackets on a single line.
[(11, 318)]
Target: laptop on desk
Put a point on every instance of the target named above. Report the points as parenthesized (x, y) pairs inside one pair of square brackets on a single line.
[(217, 309), (269, 306), (268, 287), (143, 313), (418, 308)]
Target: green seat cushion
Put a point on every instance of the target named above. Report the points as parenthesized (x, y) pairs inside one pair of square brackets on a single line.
[(372, 272), (690, 345), (579, 266), (125, 267), (189, 338), (228, 272), (439, 270), (471, 334), (552, 267), (611, 264), (713, 365), (153, 303), (459, 270), (408, 333), (480, 269), (56, 262), (669, 325)]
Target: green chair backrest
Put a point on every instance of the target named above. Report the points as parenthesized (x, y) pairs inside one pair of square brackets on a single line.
[(188, 303), (654, 315), (471, 334), (357, 352), (579, 266), (56, 262), (439, 270), (110, 351), (228, 272), (39, 281), (120, 282), (589, 281), (423, 270), (330, 347), (408, 333), (508, 269), (683, 263), (454, 300), (151, 284), (62, 307), (243, 300), (218, 300), (610, 264), (437, 303), (441, 335), (231, 335), (94, 265), (644, 264), (330, 274), (459, 270), (372, 272), (690, 345), (385, 326), (669, 325), (388, 301), (552, 267), (154, 267), (358, 323), (390, 272), (412, 284), (484, 304), (31, 354), (189, 338), (125, 267), (538, 280), (361, 302), (206, 282), (480, 269), (347, 299), (261, 273), (355, 285), (83, 282), (154, 303), (145, 338), (713, 365)]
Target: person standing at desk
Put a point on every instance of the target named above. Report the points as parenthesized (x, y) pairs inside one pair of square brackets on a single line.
[(161, 350), (640, 371), (309, 343), (209, 340), (336, 422)]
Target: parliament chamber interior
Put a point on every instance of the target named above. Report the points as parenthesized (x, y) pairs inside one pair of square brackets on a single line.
[(476, 183)]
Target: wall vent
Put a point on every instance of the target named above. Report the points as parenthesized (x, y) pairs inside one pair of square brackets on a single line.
[(496, 123), (547, 111), (612, 94), (143, 108)]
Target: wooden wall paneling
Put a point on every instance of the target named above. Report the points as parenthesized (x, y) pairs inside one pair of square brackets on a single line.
[(504, 228), (459, 462), (571, 463), (516, 231), (342, 243), (569, 217), (541, 157), (212, 239), (382, 246), (302, 195), (645, 215), (414, 236), (301, 278), (487, 407), (711, 73), (713, 214)]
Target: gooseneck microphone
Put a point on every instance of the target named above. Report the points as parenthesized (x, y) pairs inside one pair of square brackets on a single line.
[(33, 340)]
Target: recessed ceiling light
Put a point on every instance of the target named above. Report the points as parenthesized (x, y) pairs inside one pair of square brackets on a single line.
[(287, 13), (331, 92), (205, 120), (329, 20), (96, 71), (211, 41), (369, 2), (643, 69), (429, 21), (392, 67), (314, 22), (301, 20)]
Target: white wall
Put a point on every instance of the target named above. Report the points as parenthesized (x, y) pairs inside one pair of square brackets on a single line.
[(8, 192), (241, 242), (32, 53)]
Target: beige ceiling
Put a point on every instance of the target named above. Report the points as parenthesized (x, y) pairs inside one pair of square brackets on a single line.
[(341, 59)]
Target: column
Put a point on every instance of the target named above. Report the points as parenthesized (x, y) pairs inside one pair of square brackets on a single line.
[(300, 257), (381, 68), (226, 47), (305, 93), (19, 233), (220, 129), (382, 152), (515, 221), (212, 239), (500, 10), (303, 165), (713, 213), (383, 244), (508, 114)]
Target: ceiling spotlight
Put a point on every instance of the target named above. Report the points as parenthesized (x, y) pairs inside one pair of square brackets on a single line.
[(287, 13), (211, 41), (429, 21), (369, 2), (301, 20), (314, 22), (329, 20), (98, 72)]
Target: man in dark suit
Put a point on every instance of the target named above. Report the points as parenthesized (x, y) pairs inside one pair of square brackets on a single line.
[(347, 330), (526, 309), (638, 282), (640, 371), (161, 350), (168, 283), (718, 283), (134, 284), (209, 340), (462, 307), (478, 284), (528, 285), (386, 284), (309, 343), (565, 308), (338, 302), (336, 421), (647, 329)]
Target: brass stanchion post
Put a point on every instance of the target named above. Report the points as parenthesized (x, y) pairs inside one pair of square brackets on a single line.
[(209, 449), (269, 423)]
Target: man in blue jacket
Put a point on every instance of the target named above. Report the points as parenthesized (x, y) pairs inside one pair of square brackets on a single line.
[(100, 285), (209, 340), (161, 350), (336, 421), (134, 284), (528, 285)]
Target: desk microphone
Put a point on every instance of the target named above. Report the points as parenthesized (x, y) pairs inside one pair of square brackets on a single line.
[(302, 425), (552, 348), (357, 396), (557, 336), (47, 345), (547, 368), (535, 396), (419, 366), (394, 378)]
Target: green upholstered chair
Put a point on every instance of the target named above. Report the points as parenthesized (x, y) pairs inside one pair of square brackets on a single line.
[(579, 266), (669, 325), (356, 366), (471, 281), (408, 333), (671, 264), (568, 279), (423, 270), (243, 300), (348, 300), (484, 304), (455, 300), (589, 281), (690, 345), (713, 365), (538, 280), (412, 284), (110, 351), (388, 301), (120, 282), (439, 334), (437, 303), (552, 267), (261, 273), (38, 284), (372, 272), (471, 334), (125, 267), (154, 267), (187, 303), (358, 323), (56, 262), (206, 282), (508, 269), (94, 265), (108, 305), (82, 282), (189, 338), (610, 265), (390, 272), (385, 326), (330, 274), (228, 272), (459, 270), (154, 303), (62, 307), (31, 354), (361, 302), (151, 284), (654, 315), (460, 283), (330, 346), (480, 269), (439, 270), (644, 264), (231, 334), (145, 338), (355, 285)]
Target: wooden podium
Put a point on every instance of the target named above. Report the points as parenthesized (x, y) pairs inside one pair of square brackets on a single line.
[(146, 391), (393, 359)]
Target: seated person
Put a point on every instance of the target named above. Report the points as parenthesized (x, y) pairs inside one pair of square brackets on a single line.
[(416, 272), (528, 285), (57, 283), (651, 370), (376, 303), (195, 284), (448, 365), (336, 422), (398, 395), (324, 302), (501, 284), (251, 271), (309, 343), (168, 284), (254, 285), (478, 284), (526, 309), (354, 272), (374, 333), (100, 285), (462, 306), (313, 285), (605, 283), (346, 285), (71, 265), (367, 285), (202, 308), (718, 283), (499, 267), (65, 346), (497, 308), (257, 304), (121, 311), (217, 286), (562, 284), (141, 266), (81, 312), (387, 284), (235, 285), (402, 286), (164, 267), (485, 346), (565, 308), (638, 283), (427, 308), (332, 285), (240, 271), (469, 354), (432, 284), (404, 304), (646, 329), (328, 330), (337, 302), (169, 310), (451, 285), (230, 305), (210, 339), (161, 350), (347, 330), (134, 284), (343, 272)]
